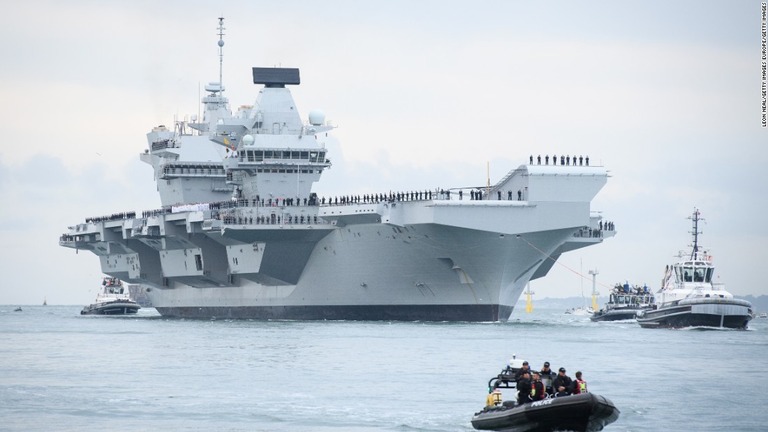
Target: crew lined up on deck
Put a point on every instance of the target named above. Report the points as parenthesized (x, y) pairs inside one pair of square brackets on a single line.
[(113, 216), (608, 226), (268, 219), (564, 160), (475, 194), (314, 201)]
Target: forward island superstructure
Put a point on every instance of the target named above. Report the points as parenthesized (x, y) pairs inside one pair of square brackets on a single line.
[(242, 235)]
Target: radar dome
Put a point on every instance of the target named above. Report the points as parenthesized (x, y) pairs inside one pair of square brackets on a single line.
[(248, 140), (214, 87), (316, 118)]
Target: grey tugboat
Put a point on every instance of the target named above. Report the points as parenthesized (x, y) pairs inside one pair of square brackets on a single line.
[(113, 299), (689, 298)]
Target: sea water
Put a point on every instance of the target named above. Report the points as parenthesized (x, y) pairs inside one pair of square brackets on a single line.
[(66, 372)]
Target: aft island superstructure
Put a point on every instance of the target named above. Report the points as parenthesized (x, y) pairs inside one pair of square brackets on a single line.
[(242, 235)]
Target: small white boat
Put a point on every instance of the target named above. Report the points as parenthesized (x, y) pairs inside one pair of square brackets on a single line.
[(689, 298), (579, 311), (113, 299)]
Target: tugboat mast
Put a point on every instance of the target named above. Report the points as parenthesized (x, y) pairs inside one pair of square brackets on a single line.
[(695, 218)]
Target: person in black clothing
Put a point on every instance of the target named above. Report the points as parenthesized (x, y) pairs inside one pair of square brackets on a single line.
[(524, 369), (538, 391), (547, 377), (562, 384), (524, 387)]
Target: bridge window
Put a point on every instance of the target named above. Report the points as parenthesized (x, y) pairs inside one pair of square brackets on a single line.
[(199, 262), (687, 274), (698, 275)]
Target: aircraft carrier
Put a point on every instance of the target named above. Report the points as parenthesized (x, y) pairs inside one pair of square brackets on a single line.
[(241, 234)]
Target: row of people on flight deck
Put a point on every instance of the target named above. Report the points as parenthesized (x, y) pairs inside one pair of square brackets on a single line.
[(267, 220), (113, 216), (564, 160), (589, 232), (533, 386), (367, 198), (313, 200), (608, 226), (401, 196)]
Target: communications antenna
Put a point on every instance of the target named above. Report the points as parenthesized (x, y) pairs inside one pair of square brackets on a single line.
[(221, 53), (695, 218)]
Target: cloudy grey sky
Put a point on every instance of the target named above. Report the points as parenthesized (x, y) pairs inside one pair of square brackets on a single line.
[(665, 94)]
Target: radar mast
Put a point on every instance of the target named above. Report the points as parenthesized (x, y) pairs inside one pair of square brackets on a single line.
[(221, 53), (695, 218)]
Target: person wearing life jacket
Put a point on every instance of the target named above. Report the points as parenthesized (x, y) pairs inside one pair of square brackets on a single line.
[(494, 398), (579, 385), (538, 391)]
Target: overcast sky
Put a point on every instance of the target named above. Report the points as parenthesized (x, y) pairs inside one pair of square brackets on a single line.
[(665, 94)]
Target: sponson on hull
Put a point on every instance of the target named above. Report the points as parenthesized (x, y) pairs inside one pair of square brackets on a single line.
[(689, 298), (241, 233)]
